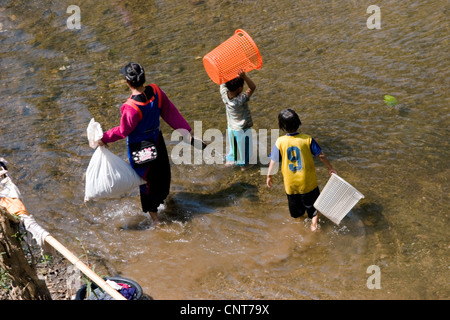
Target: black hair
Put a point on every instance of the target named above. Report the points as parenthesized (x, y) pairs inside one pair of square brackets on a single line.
[(135, 74), (3, 165), (235, 84), (289, 121)]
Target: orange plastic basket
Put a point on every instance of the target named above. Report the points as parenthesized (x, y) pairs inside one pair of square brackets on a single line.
[(238, 52)]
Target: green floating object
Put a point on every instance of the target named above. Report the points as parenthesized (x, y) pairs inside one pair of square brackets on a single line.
[(390, 100)]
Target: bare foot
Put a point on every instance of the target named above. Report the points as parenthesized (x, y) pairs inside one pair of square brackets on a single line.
[(155, 219)]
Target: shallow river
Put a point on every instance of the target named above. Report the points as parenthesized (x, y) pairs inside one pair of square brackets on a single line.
[(225, 235)]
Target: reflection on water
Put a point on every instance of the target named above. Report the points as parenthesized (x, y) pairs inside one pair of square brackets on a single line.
[(224, 234)]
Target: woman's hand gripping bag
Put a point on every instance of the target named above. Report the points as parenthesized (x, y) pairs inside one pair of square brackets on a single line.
[(107, 175)]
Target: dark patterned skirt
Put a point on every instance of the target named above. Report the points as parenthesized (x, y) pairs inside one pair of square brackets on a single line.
[(157, 174)]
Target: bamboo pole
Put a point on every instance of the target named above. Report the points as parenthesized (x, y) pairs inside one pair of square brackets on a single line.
[(84, 268)]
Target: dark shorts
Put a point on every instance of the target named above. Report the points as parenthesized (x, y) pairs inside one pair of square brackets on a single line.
[(299, 203)]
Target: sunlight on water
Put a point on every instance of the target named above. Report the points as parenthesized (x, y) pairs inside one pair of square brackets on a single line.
[(224, 235)]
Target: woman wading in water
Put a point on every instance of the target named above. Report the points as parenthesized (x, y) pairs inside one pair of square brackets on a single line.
[(140, 125)]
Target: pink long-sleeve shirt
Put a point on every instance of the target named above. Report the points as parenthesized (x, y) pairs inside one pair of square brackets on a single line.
[(130, 119)]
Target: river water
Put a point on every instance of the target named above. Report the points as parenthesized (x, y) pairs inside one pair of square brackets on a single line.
[(225, 235)]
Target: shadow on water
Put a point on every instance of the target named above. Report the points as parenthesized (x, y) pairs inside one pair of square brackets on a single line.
[(368, 217), (183, 206)]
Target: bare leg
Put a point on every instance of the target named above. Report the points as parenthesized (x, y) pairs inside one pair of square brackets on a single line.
[(155, 219), (314, 222)]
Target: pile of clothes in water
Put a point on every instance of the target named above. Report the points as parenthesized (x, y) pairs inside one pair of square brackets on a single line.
[(124, 289)]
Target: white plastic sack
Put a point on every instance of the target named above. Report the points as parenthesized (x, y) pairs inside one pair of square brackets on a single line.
[(94, 133), (8, 189), (107, 175), (38, 233)]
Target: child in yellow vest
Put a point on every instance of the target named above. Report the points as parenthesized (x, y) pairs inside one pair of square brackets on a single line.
[(296, 151)]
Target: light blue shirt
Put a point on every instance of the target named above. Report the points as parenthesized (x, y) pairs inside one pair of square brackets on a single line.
[(238, 112)]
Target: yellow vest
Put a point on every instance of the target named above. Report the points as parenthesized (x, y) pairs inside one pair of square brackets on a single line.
[(297, 163)]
